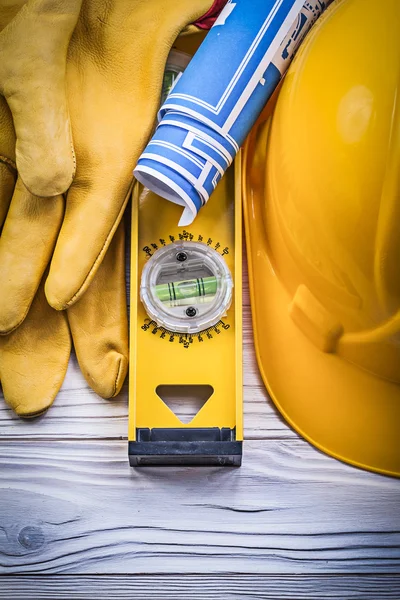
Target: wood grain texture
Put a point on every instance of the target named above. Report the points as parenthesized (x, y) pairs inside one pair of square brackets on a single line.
[(77, 507), (194, 587), (291, 523)]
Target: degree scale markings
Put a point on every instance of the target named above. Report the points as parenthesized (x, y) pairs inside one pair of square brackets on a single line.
[(184, 338), (185, 236)]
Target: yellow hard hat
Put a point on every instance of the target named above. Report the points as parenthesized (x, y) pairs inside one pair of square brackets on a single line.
[(322, 208)]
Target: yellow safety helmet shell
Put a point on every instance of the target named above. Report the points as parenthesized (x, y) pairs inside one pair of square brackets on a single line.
[(322, 211)]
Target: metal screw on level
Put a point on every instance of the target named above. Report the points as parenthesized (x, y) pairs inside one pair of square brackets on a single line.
[(191, 311), (181, 256)]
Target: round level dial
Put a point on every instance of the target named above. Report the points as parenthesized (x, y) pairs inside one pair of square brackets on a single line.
[(186, 287)]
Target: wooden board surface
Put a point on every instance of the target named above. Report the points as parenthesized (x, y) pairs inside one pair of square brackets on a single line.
[(75, 507), (290, 523), (197, 587)]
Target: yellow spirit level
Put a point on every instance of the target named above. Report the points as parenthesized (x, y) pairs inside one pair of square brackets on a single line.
[(186, 329)]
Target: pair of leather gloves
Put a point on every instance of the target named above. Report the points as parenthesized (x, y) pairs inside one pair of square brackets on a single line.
[(80, 85)]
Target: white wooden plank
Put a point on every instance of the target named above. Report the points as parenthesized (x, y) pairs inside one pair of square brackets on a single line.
[(77, 507), (78, 413), (195, 587)]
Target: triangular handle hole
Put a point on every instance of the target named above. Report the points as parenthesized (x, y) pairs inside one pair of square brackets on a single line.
[(185, 401)]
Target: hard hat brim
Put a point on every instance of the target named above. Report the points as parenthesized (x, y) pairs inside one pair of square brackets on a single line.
[(344, 411)]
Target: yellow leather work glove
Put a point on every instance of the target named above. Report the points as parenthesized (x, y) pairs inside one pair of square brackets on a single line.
[(34, 356), (116, 63), (34, 38), (115, 69)]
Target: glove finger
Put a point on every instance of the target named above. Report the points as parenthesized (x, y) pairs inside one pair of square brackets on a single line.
[(99, 323), (91, 218), (33, 47), (34, 359), (26, 245), (113, 117)]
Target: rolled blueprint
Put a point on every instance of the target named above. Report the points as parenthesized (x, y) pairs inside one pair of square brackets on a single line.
[(214, 104)]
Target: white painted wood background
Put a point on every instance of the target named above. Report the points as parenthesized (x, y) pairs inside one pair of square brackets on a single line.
[(76, 521)]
